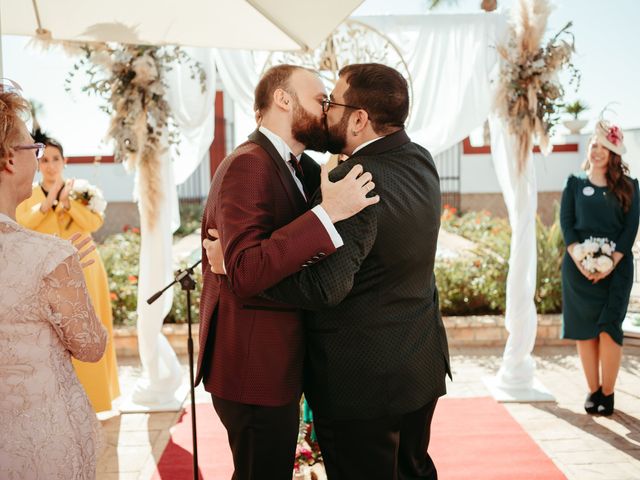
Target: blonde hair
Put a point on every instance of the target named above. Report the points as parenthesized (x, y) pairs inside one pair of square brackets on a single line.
[(13, 107)]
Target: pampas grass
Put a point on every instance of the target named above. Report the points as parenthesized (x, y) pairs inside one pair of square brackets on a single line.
[(529, 94)]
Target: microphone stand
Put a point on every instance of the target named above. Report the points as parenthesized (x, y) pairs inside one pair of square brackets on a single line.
[(187, 283)]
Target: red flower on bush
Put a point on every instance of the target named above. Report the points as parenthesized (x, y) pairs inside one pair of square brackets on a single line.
[(133, 279)]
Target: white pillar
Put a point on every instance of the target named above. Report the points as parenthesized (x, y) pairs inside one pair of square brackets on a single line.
[(161, 386), (515, 380)]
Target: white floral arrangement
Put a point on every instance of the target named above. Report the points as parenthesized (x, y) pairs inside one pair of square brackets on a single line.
[(130, 79), (88, 195), (595, 254)]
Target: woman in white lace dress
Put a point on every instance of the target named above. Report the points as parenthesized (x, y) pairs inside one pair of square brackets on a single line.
[(47, 426)]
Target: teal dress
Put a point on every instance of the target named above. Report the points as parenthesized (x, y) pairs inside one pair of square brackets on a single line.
[(591, 211)]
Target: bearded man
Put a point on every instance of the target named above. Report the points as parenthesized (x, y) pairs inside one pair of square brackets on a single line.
[(252, 349)]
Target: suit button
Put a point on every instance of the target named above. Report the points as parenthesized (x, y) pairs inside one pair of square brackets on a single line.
[(321, 254), (315, 258), (304, 265)]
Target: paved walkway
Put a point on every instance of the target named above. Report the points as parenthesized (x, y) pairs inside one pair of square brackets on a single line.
[(583, 447)]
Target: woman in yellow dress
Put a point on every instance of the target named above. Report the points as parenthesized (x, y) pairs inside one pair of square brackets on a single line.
[(54, 209)]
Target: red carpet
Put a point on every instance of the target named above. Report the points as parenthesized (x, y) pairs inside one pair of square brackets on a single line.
[(477, 438), (472, 438)]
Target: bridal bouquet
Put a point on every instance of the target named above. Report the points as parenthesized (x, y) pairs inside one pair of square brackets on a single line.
[(88, 195), (595, 254)]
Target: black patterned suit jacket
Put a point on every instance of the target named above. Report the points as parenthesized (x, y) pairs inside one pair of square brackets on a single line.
[(376, 344)]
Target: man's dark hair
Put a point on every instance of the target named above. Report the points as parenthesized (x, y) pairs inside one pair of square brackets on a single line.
[(273, 79), (380, 90)]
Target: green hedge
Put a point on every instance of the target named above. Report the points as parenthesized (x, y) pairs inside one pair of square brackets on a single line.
[(120, 254), (477, 284), (468, 285)]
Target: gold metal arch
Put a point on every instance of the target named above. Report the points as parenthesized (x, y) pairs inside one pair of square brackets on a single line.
[(351, 42)]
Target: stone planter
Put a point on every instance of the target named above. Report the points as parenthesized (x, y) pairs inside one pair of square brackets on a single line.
[(575, 126), (467, 331)]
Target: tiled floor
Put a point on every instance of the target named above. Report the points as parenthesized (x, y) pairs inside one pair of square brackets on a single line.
[(582, 446)]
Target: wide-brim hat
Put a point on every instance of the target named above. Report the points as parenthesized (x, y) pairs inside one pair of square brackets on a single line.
[(610, 136)]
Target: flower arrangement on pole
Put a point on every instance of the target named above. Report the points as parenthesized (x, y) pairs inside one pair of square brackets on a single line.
[(529, 94), (130, 80)]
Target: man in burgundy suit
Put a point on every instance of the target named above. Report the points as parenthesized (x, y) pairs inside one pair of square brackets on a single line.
[(252, 349), (376, 347)]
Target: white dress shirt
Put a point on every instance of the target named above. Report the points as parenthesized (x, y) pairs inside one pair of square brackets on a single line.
[(285, 153)]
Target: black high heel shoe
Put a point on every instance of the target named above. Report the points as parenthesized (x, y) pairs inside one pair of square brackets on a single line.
[(593, 401), (606, 405)]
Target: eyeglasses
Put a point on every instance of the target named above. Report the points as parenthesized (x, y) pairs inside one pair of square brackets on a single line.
[(38, 147), (326, 105)]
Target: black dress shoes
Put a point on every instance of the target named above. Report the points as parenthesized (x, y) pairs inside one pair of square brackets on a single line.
[(605, 406), (593, 401)]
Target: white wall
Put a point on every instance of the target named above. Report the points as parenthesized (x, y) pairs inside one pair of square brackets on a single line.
[(115, 182), (477, 174)]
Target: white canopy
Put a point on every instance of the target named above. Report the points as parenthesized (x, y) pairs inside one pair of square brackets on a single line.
[(246, 24)]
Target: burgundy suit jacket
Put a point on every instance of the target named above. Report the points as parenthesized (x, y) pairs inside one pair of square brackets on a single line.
[(251, 349)]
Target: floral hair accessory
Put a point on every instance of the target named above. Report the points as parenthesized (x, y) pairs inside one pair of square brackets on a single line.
[(610, 136), (615, 136)]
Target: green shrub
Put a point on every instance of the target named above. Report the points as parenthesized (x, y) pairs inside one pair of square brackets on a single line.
[(178, 313), (121, 253), (468, 285), (476, 283), (551, 248)]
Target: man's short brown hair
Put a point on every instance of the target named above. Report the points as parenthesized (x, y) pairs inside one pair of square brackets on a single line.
[(273, 79), (380, 90)]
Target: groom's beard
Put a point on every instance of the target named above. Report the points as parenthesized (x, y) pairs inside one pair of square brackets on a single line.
[(308, 130), (337, 134)]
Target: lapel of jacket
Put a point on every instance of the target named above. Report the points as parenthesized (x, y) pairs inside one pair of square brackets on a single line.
[(394, 140), (283, 171)]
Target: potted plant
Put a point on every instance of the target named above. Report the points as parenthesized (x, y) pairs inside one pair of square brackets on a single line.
[(575, 109)]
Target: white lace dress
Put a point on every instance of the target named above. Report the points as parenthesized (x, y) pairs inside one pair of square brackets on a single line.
[(47, 426)]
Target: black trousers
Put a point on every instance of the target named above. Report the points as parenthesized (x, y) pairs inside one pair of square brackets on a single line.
[(262, 439), (388, 448)]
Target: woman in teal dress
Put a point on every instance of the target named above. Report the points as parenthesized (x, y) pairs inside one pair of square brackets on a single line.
[(601, 202)]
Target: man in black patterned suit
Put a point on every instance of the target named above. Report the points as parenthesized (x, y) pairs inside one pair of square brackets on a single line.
[(377, 352)]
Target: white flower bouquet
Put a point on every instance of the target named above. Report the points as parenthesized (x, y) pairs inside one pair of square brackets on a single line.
[(88, 195), (595, 254)]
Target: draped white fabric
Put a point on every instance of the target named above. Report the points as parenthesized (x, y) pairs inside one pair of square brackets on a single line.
[(194, 115), (161, 370), (239, 74), (193, 111), (449, 57), (520, 196)]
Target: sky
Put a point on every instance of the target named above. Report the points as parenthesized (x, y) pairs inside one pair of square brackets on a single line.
[(607, 56)]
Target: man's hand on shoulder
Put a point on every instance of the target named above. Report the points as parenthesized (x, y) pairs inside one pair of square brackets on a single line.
[(348, 196)]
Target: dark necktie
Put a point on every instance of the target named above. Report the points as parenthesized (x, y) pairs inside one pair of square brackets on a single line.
[(297, 169)]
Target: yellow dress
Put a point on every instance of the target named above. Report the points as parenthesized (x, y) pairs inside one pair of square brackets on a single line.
[(100, 379)]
